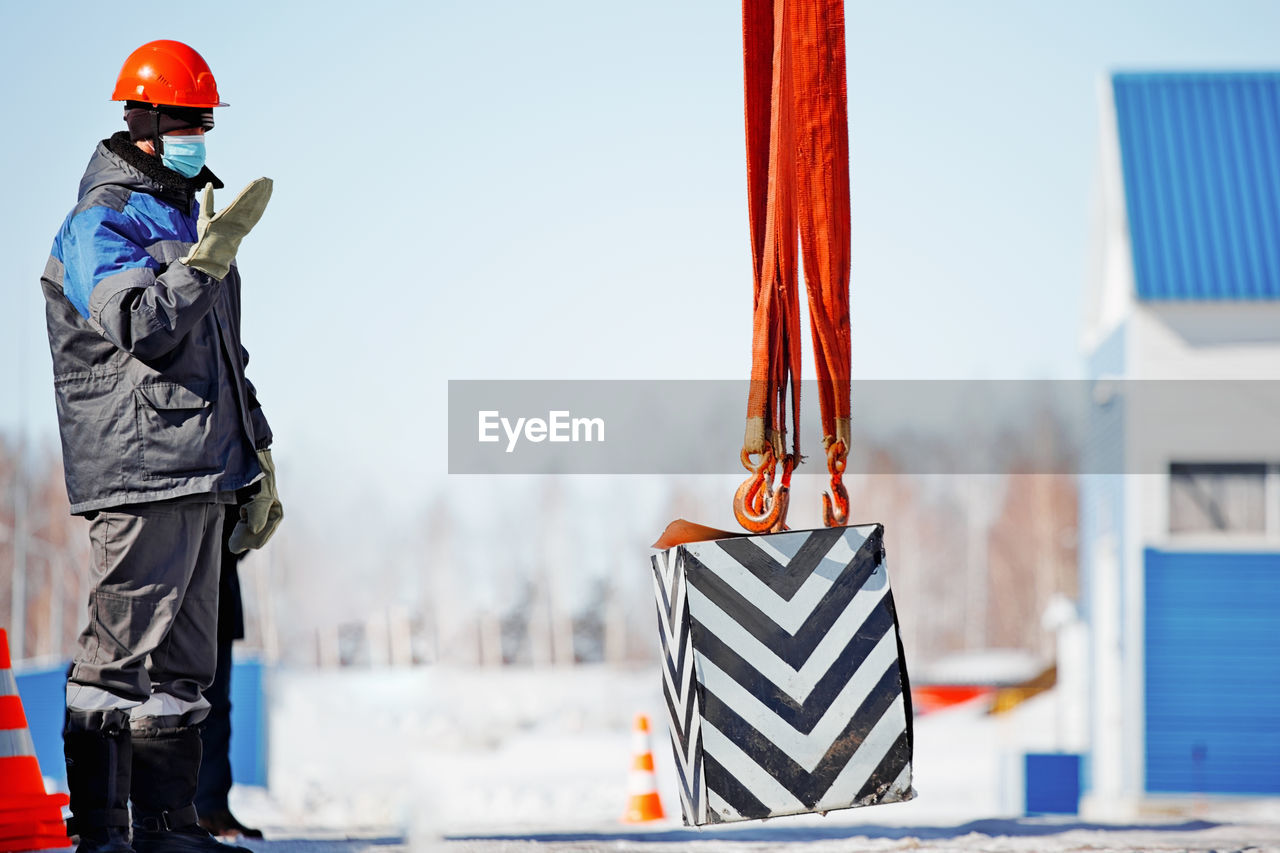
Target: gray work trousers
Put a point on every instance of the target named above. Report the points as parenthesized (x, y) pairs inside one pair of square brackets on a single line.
[(153, 608)]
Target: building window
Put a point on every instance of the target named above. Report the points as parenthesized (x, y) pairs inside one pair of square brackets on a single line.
[(1218, 498)]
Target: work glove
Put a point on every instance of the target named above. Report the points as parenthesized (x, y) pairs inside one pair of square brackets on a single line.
[(261, 514), (218, 235)]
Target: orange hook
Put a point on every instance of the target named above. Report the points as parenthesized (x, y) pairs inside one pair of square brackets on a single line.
[(837, 515), (758, 506)]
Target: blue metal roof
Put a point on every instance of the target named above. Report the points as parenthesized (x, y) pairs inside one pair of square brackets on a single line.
[(1200, 153)]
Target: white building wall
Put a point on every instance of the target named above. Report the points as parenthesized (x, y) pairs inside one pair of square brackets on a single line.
[(1111, 792), (1166, 422), (1109, 296), (1205, 340)]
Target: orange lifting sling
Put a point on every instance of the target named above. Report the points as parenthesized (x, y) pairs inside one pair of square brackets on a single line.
[(798, 186)]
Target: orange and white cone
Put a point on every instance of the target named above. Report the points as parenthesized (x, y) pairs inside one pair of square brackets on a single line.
[(644, 803), (30, 819)]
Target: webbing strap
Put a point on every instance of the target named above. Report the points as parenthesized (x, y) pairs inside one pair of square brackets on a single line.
[(165, 821), (798, 195), (775, 345), (823, 175)]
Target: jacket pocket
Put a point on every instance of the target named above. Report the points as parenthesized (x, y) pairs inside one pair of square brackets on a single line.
[(175, 424)]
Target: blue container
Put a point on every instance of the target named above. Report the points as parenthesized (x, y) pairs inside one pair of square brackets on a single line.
[(43, 693), (248, 723), (1052, 783)]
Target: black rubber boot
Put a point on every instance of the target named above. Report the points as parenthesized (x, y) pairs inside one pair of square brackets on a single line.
[(166, 765), (96, 745)]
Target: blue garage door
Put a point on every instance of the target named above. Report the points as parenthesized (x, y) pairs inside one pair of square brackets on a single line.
[(1213, 672)]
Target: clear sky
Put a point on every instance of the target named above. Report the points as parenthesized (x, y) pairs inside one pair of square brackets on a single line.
[(557, 190)]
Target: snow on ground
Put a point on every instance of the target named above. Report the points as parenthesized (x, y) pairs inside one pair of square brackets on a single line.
[(537, 759)]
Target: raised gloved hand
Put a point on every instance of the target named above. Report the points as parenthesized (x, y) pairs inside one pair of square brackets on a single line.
[(261, 515), (218, 235)]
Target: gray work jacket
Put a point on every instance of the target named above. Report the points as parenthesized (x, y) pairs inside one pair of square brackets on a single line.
[(148, 369)]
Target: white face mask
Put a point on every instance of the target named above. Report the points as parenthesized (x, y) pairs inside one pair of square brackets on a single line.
[(184, 154)]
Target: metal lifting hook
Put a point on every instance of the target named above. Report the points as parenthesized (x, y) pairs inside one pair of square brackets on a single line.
[(837, 516), (758, 506)]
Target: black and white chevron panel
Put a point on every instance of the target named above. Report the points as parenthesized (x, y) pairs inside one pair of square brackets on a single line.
[(783, 674), (679, 687)]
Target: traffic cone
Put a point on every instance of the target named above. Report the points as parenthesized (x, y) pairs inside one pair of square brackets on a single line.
[(644, 803), (30, 819)]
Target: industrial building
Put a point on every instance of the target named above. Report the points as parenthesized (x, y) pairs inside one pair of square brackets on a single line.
[(1180, 490)]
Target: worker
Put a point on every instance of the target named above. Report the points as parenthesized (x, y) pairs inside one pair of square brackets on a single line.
[(215, 735), (160, 428)]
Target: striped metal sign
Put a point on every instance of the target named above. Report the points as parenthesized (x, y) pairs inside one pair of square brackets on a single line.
[(783, 674)]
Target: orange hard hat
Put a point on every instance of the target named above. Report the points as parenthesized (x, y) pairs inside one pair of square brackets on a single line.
[(167, 73)]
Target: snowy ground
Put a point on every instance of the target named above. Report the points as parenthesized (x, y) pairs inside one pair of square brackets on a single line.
[(515, 760)]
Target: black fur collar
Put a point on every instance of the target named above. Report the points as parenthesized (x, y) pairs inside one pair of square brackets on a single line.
[(169, 180)]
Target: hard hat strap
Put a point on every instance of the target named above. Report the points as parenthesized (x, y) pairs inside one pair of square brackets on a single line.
[(155, 126)]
